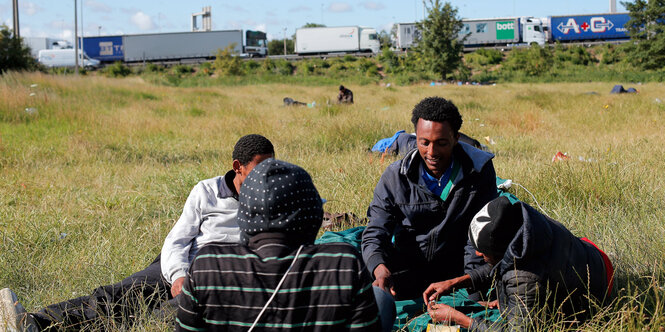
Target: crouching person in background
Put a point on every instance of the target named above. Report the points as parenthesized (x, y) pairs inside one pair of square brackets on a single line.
[(536, 264), (278, 279)]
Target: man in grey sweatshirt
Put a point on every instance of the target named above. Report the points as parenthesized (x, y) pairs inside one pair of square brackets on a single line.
[(209, 215)]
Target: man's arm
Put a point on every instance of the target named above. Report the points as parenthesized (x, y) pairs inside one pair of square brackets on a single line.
[(522, 290), (177, 245), (190, 314), (382, 214), (486, 192), (364, 311)]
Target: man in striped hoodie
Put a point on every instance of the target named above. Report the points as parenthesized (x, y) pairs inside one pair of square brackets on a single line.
[(278, 279)]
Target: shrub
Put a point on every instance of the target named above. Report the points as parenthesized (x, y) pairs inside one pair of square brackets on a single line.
[(117, 69), (532, 61), (227, 63)]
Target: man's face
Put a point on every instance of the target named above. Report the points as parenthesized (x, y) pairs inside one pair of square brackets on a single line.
[(487, 258), (243, 170), (435, 145)]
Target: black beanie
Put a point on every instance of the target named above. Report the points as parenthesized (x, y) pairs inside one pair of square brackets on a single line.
[(279, 197), (494, 226)]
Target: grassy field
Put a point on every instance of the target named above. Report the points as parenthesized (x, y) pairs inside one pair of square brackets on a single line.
[(95, 171)]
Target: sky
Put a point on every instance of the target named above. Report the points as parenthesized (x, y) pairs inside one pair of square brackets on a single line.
[(49, 18)]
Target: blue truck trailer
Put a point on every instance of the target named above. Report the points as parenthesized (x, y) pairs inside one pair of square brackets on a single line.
[(588, 27), (104, 48)]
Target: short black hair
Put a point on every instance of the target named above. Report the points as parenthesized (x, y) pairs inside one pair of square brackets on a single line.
[(437, 109), (250, 146), (341, 88)]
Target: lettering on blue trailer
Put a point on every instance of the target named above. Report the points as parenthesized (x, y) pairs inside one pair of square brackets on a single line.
[(589, 27)]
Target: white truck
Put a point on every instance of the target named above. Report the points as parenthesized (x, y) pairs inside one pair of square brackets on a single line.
[(37, 44), (336, 40), (484, 32), (65, 58)]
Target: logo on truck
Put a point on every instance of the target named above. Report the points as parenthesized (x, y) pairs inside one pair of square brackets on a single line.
[(598, 24), (505, 30), (348, 35)]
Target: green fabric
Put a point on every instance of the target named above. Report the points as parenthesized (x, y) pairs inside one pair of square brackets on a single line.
[(352, 236), (503, 192), (408, 318), (449, 185)]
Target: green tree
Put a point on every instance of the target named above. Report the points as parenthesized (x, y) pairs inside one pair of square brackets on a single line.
[(14, 55), (438, 46), (276, 46), (647, 30), (384, 39)]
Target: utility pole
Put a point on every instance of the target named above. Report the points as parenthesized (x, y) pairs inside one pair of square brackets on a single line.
[(17, 33), (284, 41), (76, 37)]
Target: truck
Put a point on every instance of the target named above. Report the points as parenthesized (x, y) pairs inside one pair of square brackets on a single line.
[(406, 36), (609, 26), (37, 44), (527, 30), (174, 46), (482, 32), (325, 40), (66, 58)]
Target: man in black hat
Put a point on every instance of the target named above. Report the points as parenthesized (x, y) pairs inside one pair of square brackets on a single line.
[(278, 278), (535, 262)]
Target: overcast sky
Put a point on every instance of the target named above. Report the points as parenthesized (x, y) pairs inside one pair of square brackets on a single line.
[(55, 18)]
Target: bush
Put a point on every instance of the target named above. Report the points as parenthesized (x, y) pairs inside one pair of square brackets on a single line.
[(227, 63), (532, 61), (182, 69), (117, 69), (153, 68)]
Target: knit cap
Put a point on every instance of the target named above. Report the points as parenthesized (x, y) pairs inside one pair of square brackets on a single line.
[(278, 196), (494, 226)]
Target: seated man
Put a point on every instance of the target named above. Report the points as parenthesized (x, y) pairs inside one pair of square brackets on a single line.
[(535, 263), (278, 279), (345, 96), (209, 215), (423, 204)]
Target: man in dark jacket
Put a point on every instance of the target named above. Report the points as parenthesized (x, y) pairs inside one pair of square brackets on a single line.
[(278, 280), (535, 263), (423, 204), (345, 95)]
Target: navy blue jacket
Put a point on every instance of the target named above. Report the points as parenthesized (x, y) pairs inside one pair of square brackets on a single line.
[(429, 234), (543, 257)]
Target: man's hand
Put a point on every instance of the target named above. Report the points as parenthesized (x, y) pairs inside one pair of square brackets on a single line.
[(435, 290), (384, 279), (176, 287), (442, 313)]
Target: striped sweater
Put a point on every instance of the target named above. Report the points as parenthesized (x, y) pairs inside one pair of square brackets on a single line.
[(327, 289)]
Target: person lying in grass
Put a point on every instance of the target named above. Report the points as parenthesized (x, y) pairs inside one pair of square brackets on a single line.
[(209, 215), (537, 265)]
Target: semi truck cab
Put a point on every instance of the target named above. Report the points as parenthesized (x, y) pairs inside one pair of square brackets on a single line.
[(369, 40), (534, 30)]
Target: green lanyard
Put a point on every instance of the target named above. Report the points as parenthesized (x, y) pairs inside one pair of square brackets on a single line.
[(449, 185)]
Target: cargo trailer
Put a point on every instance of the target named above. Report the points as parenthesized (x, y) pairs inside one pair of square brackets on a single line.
[(336, 40)]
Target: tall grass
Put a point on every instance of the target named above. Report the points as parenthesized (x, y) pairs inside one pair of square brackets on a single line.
[(93, 177)]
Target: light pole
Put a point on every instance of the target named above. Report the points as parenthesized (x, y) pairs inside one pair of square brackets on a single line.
[(284, 41), (76, 41), (17, 33), (99, 30)]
